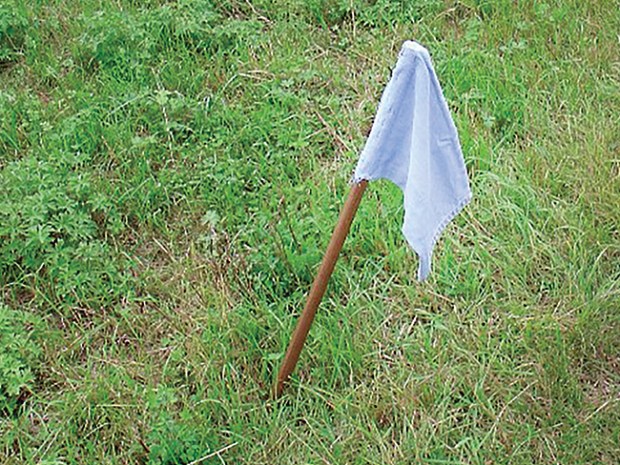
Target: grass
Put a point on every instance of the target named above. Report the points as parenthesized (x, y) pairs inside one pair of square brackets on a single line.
[(170, 174)]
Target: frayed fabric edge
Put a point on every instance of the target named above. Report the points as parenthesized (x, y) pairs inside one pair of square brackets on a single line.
[(425, 258)]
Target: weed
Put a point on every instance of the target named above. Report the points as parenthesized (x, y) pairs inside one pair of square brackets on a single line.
[(13, 29), (52, 238), (19, 355)]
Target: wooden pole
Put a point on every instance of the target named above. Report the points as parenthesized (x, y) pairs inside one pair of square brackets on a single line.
[(320, 284)]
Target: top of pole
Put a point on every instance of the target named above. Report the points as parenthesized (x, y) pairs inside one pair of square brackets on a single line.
[(410, 44)]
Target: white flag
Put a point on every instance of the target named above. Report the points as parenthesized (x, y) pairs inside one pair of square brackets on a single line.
[(414, 144)]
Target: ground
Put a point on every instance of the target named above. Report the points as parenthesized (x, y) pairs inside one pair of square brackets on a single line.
[(170, 173)]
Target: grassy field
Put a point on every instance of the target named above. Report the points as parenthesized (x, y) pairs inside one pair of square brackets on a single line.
[(170, 173)]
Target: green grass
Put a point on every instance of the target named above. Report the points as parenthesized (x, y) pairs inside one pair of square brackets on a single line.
[(170, 173)]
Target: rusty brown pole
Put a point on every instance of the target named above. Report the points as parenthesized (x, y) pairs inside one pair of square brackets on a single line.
[(320, 284)]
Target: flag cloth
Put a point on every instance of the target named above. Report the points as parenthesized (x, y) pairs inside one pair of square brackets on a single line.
[(414, 144)]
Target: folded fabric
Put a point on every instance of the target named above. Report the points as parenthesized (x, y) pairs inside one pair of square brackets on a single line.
[(414, 144)]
